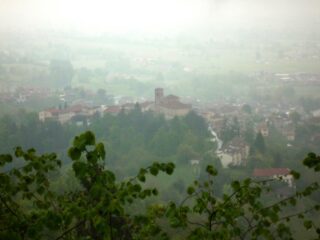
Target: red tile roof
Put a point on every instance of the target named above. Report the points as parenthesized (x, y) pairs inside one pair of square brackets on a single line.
[(145, 104), (53, 110), (176, 105), (113, 109), (75, 108), (172, 97), (269, 172)]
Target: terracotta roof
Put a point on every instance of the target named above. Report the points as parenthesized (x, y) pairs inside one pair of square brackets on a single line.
[(175, 105), (269, 172), (53, 111), (75, 108), (171, 97), (113, 109), (145, 104)]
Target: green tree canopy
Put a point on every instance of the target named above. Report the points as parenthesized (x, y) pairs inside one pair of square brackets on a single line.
[(100, 207)]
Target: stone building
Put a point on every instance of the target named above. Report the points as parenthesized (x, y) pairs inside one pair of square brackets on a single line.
[(170, 106), (235, 152)]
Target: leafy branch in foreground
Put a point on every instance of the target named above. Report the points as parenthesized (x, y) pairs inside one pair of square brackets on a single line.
[(244, 213), (30, 209)]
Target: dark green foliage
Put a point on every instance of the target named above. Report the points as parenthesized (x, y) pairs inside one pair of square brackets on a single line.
[(196, 123), (312, 161), (99, 209), (259, 144), (44, 136), (96, 211), (242, 214), (135, 137), (249, 134), (230, 129)]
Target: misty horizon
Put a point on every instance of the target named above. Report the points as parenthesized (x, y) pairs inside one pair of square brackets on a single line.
[(156, 17)]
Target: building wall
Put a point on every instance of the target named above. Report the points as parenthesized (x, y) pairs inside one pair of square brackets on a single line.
[(171, 113), (44, 115), (237, 159), (65, 117), (285, 178), (226, 159), (264, 132), (158, 95)]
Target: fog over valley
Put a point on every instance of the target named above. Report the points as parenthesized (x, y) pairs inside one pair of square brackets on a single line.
[(159, 119), (154, 16)]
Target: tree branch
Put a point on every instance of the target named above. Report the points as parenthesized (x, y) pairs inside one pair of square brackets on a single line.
[(70, 230), (7, 206)]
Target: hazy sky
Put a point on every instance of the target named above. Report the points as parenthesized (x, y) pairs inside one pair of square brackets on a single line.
[(148, 15)]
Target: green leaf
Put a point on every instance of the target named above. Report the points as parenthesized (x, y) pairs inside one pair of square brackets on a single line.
[(169, 168), (40, 190), (235, 185), (110, 176), (85, 139), (136, 187), (100, 149), (312, 161), (18, 152), (155, 192), (154, 171), (141, 177), (211, 170), (80, 169), (293, 201), (295, 174), (74, 153), (5, 158), (32, 232), (16, 172), (53, 221), (190, 190), (273, 216), (90, 138), (307, 224)]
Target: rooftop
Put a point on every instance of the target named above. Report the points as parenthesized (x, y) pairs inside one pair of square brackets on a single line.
[(269, 172)]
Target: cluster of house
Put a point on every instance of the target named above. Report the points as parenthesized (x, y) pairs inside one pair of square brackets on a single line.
[(170, 106), (236, 151), (78, 114), (278, 174)]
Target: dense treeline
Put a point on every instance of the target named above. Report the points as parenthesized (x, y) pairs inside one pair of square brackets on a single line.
[(27, 131), (135, 139), (132, 138)]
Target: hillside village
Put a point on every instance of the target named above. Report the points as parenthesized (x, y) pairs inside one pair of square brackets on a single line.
[(237, 126), (160, 119)]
